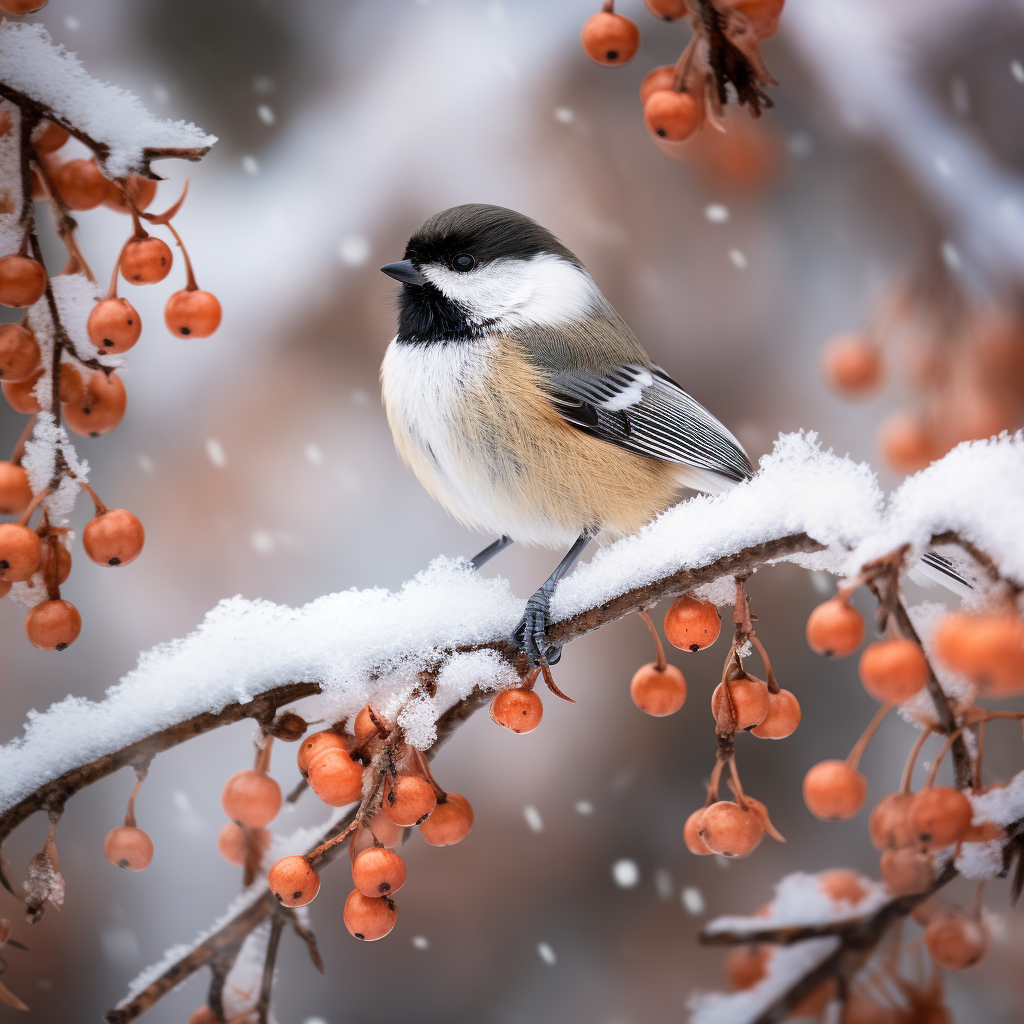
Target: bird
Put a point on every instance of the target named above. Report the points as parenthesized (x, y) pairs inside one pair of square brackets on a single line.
[(526, 407)]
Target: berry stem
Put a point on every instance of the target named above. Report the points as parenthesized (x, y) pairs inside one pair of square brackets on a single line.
[(737, 787), (380, 723), (908, 768), (714, 782), (530, 679), (773, 683), (66, 224), (112, 290), (861, 745), (19, 448), (97, 503), (682, 66), (442, 796), (263, 755), (129, 814), (929, 780), (33, 505), (659, 651), (190, 278), (608, 6)]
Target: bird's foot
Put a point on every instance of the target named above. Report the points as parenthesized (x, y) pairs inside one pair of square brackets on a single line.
[(531, 633)]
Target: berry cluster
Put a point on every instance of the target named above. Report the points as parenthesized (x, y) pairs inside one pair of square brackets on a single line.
[(725, 49)]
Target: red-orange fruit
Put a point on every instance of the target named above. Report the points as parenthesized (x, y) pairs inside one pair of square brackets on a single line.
[(251, 798), (378, 831), (656, 691), (730, 830), (192, 314), (56, 560), (315, 744), (70, 386), (984, 832), (610, 39), (19, 353), (114, 537), (745, 966), (692, 625), (668, 10), (673, 116), (203, 1015), (363, 727), (293, 882), (20, 552), (52, 136), (53, 625), (749, 701), (335, 778), (22, 281), (142, 192), (852, 366), (861, 1009), (661, 77), (146, 260), (833, 791), (841, 885), (5, 588), (408, 799), (782, 719), (691, 835), (907, 445), (988, 649), (834, 629), (449, 822), (892, 671), (889, 824), (15, 491), (957, 943), (815, 1001), (940, 815), (517, 709), (128, 847), (114, 325), (80, 183), (100, 407), (369, 917), (231, 842), (21, 396), (907, 871), (378, 871), (764, 18)]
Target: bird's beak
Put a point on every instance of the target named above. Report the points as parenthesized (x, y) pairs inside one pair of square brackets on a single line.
[(405, 272)]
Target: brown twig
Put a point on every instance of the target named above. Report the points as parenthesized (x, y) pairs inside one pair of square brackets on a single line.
[(273, 942)]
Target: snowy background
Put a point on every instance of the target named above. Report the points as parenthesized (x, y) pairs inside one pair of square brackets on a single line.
[(260, 463)]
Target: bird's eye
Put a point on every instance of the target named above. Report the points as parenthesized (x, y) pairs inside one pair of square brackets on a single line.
[(464, 262)]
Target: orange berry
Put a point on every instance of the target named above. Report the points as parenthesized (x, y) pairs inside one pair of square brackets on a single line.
[(956, 943), (764, 18), (668, 10), (56, 561), (114, 325), (19, 353), (892, 671), (379, 831), (835, 629), (861, 1009), (730, 830), (815, 1001), (988, 649), (907, 445), (889, 824), (128, 847), (907, 871), (53, 625), (48, 136), (192, 314), (378, 871), (745, 966), (22, 281), (517, 709), (841, 885), (673, 116), (314, 744), (940, 815), (80, 183), (114, 537), (142, 191), (749, 701), (335, 778), (984, 832), (231, 842), (692, 625), (782, 719), (691, 835), (99, 408), (71, 387), (293, 882), (449, 822), (21, 397), (852, 366), (610, 39), (20, 552), (656, 691), (251, 798), (363, 726), (662, 77), (204, 1015), (408, 799), (15, 491), (369, 917), (833, 791), (146, 260)]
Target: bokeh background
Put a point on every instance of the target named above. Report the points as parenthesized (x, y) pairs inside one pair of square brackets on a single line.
[(260, 461)]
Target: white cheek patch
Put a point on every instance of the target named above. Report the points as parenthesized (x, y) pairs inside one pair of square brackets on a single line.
[(541, 291)]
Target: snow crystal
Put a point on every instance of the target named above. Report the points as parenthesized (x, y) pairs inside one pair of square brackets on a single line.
[(980, 860), (245, 979), (1002, 804), (35, 66)]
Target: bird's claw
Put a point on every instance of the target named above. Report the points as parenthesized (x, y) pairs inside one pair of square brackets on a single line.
[(531, 633)]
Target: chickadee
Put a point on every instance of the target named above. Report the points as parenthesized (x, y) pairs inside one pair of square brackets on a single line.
[(525, 406)]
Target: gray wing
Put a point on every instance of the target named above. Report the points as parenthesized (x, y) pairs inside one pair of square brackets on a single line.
[(642, 409)]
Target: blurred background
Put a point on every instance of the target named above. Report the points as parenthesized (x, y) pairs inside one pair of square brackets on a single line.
[(260, 461)]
